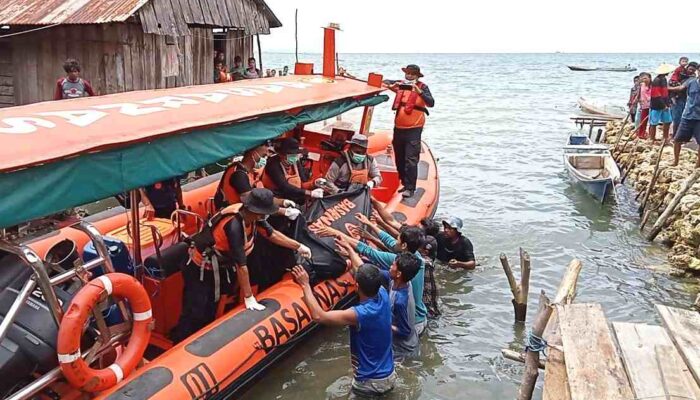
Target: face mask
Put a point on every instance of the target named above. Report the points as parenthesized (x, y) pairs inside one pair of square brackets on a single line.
[(261, 163), (358, 158), (292, 159)]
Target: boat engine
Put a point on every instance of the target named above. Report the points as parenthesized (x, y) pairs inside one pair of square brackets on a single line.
[(30, 344)]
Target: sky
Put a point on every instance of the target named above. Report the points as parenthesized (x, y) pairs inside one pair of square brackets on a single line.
[(486, 26)]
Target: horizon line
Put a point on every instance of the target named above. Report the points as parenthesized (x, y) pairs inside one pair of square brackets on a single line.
[(480, 52)]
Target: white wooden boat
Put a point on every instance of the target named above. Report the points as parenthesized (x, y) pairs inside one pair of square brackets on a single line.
[(591, 166), (591, 107)]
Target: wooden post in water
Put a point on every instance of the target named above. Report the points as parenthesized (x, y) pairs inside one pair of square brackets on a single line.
[(659, 224), (654, 178), (565, 294), (520, 291), (619, 133)]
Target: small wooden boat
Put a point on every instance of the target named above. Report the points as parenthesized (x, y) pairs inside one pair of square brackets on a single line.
[(591, 166), (621, 69), (583, 69), (601, 109), (606, 69)]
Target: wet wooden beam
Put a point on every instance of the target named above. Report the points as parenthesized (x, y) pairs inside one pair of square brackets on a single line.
[(683, 327)]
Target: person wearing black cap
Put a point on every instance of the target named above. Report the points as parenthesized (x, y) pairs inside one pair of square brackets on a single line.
[(354, 167), (413, 98), (453, 248), (223, 245), (286, 177)]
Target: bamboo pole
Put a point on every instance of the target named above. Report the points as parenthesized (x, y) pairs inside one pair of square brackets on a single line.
[(565, 294), (627, 167), (532, 358), (654, 178), (659, 224), (519, 357), (520, 291), (259, 53), (619, 133)]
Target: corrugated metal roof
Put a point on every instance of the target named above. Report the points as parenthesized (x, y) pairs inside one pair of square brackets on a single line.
[(254, 16), (49, 12)]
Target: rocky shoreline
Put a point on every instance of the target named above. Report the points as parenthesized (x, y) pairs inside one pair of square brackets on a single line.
[(637, 159)]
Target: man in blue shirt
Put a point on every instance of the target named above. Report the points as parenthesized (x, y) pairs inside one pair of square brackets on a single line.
[(370, 329), (411, 240), (690, 121)]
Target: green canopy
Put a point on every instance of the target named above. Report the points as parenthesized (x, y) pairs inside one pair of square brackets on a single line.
[(42, 190)]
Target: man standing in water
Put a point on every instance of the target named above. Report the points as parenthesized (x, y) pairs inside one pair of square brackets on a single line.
[(454, 248), (371, 351), (411, 104)]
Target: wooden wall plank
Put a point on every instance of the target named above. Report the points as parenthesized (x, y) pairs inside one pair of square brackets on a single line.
[(32, 76), (590, 355), (684, 328), (136, 48), (112, 60), (45, 65), (125, 45)]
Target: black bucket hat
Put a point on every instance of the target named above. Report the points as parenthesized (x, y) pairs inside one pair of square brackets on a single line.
[(413, 69), (260, 201), (289, 146)]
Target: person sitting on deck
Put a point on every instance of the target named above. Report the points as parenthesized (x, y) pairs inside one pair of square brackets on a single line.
[(241, 177), (354, 167), (252, 72), (410, 239), (454, 248), (371, 352), (222, 246), (285, 175), (690, 121), (72, 85), (403, 307), (162, 198)]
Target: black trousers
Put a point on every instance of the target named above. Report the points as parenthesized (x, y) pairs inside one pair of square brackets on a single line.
[(407, 147), (198, 305)]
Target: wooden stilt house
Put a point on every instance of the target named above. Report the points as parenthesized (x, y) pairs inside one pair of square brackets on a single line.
[(122, 45)]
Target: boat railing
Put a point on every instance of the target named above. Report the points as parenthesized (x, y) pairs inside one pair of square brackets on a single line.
[(46, 285), (179, 215)]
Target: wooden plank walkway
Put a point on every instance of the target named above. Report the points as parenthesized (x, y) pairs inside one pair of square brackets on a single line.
[(593, 366), (684, 328), (652, 363), (556, 383)]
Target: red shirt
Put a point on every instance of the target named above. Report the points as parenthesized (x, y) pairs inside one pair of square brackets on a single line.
[(67, 89)]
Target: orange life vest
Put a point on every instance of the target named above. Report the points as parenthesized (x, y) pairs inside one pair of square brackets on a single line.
[(220, 247), (291, 174), (229, 192), (359, 176), (410, 108)]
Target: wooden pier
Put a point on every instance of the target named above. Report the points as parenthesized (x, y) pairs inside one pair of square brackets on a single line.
[(590, 358)]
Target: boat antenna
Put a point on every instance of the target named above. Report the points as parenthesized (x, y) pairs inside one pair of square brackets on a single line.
[(296, 34)]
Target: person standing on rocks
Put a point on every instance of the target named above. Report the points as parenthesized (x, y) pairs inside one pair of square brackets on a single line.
[(690, 120), (660, 113)]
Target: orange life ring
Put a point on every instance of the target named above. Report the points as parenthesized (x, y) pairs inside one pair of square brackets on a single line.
[(75, 369)]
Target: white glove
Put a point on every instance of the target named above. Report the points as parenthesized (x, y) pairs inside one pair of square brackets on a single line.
[(317, 194), (292, 213), (370, 184), (288, 203), (304, 251), (252, 304)]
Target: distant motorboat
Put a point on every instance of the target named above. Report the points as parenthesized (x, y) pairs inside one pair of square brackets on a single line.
[(578, 68), (591, 166), (609, 69), (609, 111)]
